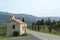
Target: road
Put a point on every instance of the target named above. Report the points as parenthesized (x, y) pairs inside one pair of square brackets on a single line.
[(44, 36), (22, 38)]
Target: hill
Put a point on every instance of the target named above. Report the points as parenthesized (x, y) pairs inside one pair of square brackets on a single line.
[(29, 19)]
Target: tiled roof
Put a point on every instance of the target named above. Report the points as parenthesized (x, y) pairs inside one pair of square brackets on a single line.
[(19, 21)]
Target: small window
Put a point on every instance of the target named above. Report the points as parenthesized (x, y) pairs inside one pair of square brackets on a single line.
[(13, 26)]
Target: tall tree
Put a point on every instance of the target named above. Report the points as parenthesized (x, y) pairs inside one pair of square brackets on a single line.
[(54, 22), (38, 23), (49, 23), (23, 20), (58, 21), (46, 22), (42, 22), (18, 17), (33, 25)]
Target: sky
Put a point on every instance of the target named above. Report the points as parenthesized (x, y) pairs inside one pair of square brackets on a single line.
[(39, 8)]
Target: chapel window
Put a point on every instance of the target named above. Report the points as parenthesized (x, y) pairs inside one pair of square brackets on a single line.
[(13, 26)]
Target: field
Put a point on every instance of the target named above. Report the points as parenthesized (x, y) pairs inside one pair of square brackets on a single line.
[(46, 31)]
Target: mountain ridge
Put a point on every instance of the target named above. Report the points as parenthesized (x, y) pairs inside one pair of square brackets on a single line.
[(29, 19)]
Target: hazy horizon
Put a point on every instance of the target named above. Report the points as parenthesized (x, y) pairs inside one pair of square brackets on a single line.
[(39, 8)]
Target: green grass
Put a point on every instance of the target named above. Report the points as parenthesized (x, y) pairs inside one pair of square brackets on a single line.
[(2, 37), (46, 31), (3, 31), (55, 32), (52, 32)]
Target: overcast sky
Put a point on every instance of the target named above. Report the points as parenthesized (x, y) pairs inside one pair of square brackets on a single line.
[(38, 8)]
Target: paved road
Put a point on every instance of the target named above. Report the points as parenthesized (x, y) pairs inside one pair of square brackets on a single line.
[(23, 38), (44, 36)]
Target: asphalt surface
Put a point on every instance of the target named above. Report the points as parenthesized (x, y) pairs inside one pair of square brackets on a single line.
[(44, 36)]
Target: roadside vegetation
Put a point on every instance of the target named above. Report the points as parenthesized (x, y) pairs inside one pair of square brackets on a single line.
[(48, 26)]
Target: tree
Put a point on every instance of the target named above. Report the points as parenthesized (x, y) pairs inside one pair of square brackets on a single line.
[(58, 21), (54, 22), (38, 23), (23, 20), (49, 23), (42, 22), (32, 25), (18, 17), (46, 22)]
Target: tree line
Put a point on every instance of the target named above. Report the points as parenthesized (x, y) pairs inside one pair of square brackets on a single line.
[(48, 23)]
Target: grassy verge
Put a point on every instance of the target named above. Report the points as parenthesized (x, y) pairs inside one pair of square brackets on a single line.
[(46, 31), (5, 37)]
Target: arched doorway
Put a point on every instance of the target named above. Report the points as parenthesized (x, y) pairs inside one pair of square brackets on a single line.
[(15, 33)]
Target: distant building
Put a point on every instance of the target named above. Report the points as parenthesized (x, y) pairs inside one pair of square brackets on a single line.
[(16, 27)]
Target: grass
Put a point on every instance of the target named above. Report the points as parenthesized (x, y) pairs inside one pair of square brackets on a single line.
[(2, 37), (52, 31), (46, 31), (55, 32), (23, 35), (3, 31)]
